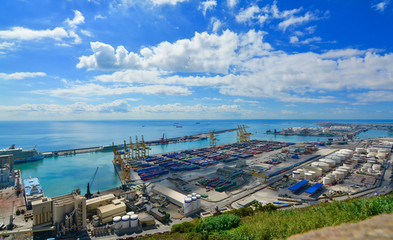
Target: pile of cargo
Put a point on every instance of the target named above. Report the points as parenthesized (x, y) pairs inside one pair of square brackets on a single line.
[(273, 161), (218, 184), (151, 172), (201, 161)]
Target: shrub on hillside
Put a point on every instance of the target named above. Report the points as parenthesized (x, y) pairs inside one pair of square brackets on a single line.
[(218, 223)]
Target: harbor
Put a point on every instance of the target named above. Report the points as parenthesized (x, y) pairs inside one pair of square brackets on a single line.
[(167, 188)]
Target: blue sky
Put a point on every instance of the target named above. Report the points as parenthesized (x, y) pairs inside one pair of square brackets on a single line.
[(188, 59)]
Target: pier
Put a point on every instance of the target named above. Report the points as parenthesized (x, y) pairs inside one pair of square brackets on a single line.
[(195, 137)]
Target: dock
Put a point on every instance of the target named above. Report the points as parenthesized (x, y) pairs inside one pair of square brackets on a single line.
[(189, 138)]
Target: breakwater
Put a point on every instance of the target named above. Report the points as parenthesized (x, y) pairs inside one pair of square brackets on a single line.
[(195, 137)]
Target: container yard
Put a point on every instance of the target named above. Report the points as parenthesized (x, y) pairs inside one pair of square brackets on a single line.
[(160, 190)]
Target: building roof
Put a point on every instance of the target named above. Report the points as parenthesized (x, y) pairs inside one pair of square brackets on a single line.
[(32, 186), (298, 185), (169, 193), (106, 197), (314, 188)]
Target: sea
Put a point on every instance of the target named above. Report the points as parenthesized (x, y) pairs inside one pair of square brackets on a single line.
[(63, 174)]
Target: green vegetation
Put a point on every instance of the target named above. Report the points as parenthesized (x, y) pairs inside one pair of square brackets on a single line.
[(266, 223)]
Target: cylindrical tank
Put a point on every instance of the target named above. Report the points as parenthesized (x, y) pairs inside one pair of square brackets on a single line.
[(96, 220), (360, 150), (187, 205), (326, 180), (349, 165), (295, 175), (134, 221), (376, 167), (315, 164), (189, 196), (337, 159), (301, 172), (117, 222), (130, 213), (193, 194), (341, 156), (125, 221), (345, 171), (307, 176), (338, 174), (194, 203), (199, 199), (325, 167), (313, 174)]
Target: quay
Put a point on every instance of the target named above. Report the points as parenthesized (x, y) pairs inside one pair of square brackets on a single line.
[(195, 137)]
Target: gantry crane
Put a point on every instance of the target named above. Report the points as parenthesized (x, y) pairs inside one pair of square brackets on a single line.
[(256, 176), (242, 134), (213, 139)]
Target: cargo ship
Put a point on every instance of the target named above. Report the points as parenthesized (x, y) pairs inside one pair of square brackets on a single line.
[(22, 156)]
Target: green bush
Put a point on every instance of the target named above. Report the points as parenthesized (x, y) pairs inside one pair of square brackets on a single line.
[(182, 227), (218, 223)]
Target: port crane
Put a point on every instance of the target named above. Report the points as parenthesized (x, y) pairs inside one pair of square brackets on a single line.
[(242, 134), (88, 194), (213, 139)]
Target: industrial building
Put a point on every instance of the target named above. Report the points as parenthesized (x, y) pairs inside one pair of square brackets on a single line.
[(67, 213), (229, 172), (7, 178), (33, 190)]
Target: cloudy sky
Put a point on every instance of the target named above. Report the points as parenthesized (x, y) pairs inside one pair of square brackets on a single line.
[(188, 59)]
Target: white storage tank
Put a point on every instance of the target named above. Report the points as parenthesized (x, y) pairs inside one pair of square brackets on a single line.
[(376, 167), (341, 156), (325, 167), (307, 176), (295, 175), (345, 172), (315, 164), (193, 194), (360, 150), (125, 222), (134, 221), (199, 201), (337, 159), (116, 222), (301, 172), (194, 203), (187, 205), (338, 174), (326, 180), (330, 162), (349, 165), (130, 213)]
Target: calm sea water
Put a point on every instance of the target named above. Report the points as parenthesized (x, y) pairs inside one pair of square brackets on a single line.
[(61, 175)]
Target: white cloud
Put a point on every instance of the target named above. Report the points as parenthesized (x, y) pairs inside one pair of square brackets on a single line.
[(293, 39), (287, 112), (198, 108), (215, 24), (373, 97), (86, 33), (21, 75), (203, 53), (212, 99), (170, 2), (207, 5), (99, 16), (290, 105), (247, 14), (8, 46), (92, 89), (21, 33), (295, 20), (58, 33), (232, 3), (239, 100), (381, 6), (78, 19), (79, 107)]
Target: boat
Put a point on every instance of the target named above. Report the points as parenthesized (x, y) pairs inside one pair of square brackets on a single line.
[(22, 156), (179, 126)]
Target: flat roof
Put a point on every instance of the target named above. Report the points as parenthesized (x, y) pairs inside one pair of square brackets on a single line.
[(106, 197), (314, 188), (298, 185), (169, 193)]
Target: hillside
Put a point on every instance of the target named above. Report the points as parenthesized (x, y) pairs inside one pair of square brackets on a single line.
[(267, 223)]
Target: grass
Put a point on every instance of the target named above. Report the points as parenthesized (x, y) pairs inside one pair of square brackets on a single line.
[(282, 224)]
